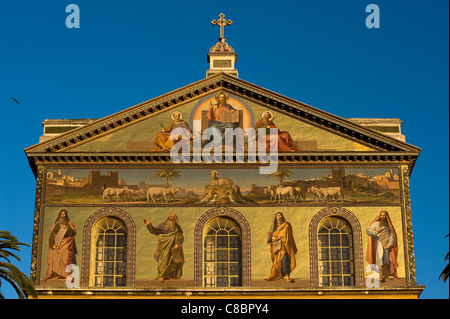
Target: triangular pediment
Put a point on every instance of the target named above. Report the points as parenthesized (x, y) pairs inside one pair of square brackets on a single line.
[(135, 129)]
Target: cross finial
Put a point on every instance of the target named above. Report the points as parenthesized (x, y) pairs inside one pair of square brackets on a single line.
[(221, 23)]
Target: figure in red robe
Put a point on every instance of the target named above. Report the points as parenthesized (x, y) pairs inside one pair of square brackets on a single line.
[(62, 248), (285, 142), (383, 253)]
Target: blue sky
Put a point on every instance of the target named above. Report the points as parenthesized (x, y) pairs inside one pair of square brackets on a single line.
[(317, 52)]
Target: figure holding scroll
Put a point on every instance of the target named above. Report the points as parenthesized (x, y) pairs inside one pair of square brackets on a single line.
[(382, 246), (62, 248)]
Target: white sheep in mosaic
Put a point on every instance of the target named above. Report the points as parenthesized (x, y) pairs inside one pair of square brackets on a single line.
[(120, 193)]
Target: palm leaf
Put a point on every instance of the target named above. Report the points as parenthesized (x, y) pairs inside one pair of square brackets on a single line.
[(9, 272), (168, 174), (444, 274)]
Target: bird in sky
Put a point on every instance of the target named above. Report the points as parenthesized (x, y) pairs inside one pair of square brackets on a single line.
[(15, 100)]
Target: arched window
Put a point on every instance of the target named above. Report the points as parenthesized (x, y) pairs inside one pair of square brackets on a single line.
[(222, 253), (335, 252), (108, 253)]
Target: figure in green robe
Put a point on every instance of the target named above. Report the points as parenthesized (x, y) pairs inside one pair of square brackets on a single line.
[(169, 248)]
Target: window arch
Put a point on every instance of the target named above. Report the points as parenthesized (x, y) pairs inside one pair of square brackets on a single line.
[(109, 249), (335, 249), (207, 225), (325, 222), (108, 253), (222, 253)]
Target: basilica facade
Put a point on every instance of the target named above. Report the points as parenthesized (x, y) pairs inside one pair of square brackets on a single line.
[(223, 189)]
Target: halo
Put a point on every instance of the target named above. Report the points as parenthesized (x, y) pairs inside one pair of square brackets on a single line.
[(271, 114), (219, 93), (171, 115)]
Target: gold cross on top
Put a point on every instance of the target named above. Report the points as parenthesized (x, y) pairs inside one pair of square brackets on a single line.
[(221, 23)]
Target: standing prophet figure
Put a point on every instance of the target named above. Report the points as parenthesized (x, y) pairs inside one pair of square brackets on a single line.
[(282, 249), (169, 248), (62, 247), (382, 247)]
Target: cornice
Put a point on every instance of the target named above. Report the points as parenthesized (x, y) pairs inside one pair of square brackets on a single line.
[(130, 160)]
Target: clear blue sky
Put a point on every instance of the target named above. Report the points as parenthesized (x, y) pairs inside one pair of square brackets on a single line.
[(317, 52)]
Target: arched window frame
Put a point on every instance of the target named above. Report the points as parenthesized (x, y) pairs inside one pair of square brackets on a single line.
[(223, 253), (131, 243), (357, 243), (239, 219), (336, 252)]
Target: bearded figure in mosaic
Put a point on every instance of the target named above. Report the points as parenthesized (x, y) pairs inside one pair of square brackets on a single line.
[(169, 248), (62, 247), (382, 246)]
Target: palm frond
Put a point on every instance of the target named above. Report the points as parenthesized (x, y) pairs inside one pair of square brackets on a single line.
[(444, 274), (9, 272)]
